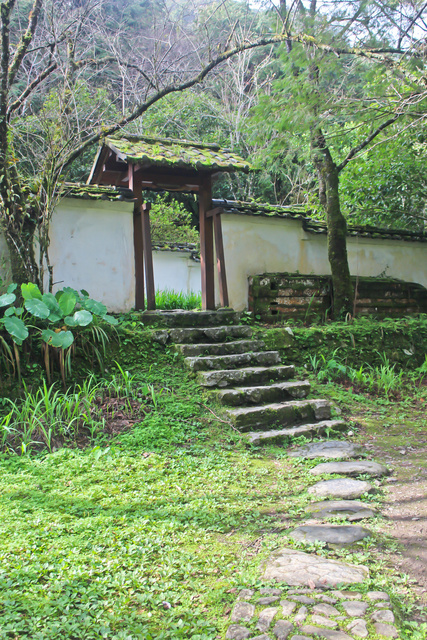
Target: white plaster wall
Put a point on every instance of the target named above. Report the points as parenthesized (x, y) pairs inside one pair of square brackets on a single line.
[(91, 247), (177, 271), (255, 245)]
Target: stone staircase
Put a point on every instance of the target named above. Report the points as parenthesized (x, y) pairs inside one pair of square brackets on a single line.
[(266, 403), (263, 400)]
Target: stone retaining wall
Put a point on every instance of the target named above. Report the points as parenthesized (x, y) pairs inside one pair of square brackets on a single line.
[(277, 296)]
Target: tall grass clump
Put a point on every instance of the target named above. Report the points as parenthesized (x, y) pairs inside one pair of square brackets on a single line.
[(48, 417), (169, 299)]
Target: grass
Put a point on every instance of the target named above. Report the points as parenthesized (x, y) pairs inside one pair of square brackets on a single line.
[(147, 534), (169, 299)]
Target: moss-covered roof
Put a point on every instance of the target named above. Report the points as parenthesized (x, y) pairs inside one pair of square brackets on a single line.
[(95, 192), (176, 154), (314, 226), (261, 209), (368, 231)]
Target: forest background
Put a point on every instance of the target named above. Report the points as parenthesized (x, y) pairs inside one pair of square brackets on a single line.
[(327, 99)]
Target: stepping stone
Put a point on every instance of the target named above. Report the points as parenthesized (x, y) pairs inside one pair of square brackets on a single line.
[(237, 632), (353, 468), (302, 599), (287, 607), (326, 610), (358, 628), (282, 629), (242, 611), (352, 510), (268, 600), (386, 630), (301, 615), (355, 608), (329, 634), (378, 595), (265, 618), (329, 449), (345, 488), (267, 591), (297, 568), (300, 638), (385, 615), (325, 621), (340, 535)]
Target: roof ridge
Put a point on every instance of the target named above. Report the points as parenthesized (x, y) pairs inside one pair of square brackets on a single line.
[(186, 143)]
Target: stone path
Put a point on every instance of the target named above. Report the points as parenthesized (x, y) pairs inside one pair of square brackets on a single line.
[(304, 614), (266, 405)]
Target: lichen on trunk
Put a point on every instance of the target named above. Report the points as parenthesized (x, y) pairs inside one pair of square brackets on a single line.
[(328, 175)]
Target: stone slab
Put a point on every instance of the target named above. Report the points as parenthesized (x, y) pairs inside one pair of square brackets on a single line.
[(386, 630), (297, 568), (351, 468), (337, 449), (354, 608), (265, 618), (358, 628), (352, 510), (242, 611), (282, 629), (237, 632), (331, 534), (329, 634), (345, 488)]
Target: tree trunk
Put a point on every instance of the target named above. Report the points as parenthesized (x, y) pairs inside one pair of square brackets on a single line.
[(328, 174), (22, 259)]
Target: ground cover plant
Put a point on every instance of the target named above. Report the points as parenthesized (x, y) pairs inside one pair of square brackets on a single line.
[(150, 532)]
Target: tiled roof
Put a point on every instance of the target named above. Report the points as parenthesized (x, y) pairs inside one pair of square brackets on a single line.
[(95, 192), (180, 154), (314, 226), (261, 209)]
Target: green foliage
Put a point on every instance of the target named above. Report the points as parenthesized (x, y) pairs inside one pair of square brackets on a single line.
[(170, 299), (49, 417), (388, 186), (171, 223), (383, 379), (48, 319)]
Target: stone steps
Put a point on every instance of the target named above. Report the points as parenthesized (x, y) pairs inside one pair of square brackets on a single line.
[(285, 414), (264, 394), (220, 348), (207, 334), (232, 361), (190, 319), (245, 376), (279, 435)]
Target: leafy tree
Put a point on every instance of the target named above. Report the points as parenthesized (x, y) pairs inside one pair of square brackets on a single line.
[(69, 77)]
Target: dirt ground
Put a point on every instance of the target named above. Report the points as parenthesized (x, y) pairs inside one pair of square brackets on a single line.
[(405, 505)]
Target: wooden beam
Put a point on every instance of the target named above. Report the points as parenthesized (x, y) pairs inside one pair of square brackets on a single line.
[(139, 261), (220, 261), (137, 242), (206, 244), (166, 181), (214, 212), (148, 255), (99, 165)]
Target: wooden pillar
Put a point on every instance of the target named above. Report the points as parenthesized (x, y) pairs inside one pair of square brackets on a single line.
[(148, 255), (206, 243), (220, 261), (137, 243)]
